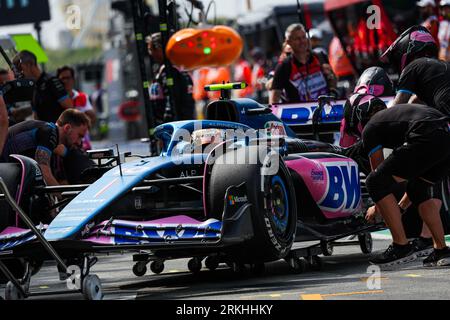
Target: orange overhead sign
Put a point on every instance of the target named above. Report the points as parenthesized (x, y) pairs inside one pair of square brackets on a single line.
[(338, 4), (196, 48)]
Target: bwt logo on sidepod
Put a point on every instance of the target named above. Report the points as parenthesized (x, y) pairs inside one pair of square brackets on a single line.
[(303, 114), (343, 193)]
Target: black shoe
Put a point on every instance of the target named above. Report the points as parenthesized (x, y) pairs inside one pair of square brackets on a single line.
[(395, 254), (438, 258), (423, 246)]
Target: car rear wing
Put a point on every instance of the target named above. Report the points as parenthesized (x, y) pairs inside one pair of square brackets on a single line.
[(299, 116)]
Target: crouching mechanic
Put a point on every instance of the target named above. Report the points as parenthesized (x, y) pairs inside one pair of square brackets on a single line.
[(40, 140), (420, 139), (375, 82)]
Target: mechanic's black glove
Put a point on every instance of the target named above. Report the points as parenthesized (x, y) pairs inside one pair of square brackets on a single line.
[(355, 152)]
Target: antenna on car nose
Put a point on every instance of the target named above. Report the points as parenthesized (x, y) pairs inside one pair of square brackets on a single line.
[(118, 160)]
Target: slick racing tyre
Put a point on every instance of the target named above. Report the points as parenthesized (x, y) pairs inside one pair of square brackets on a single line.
[(10, 173), (272, 198)]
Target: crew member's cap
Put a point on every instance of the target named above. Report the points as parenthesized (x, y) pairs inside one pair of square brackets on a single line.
[(315, 33), (426, 3)]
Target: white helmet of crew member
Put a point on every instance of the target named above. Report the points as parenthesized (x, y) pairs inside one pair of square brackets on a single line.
[(316, 34), (426, 3)]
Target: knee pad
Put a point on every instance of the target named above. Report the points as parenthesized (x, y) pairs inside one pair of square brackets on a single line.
[(379, 185), (419, 191)]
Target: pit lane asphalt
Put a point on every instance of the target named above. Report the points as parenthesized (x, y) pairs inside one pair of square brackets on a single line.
[(344, 275)]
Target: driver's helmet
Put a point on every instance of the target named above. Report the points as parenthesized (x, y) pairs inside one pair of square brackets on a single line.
[(415, 42), (205, 137), (358, 110), (375, 81)]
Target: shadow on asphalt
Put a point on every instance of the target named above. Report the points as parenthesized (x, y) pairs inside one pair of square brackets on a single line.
[(223, 281), (342, 268)]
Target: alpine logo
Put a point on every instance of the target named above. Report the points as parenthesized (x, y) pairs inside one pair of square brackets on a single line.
[(188, 173), (343, 192)]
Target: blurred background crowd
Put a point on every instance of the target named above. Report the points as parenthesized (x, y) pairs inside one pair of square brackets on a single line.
[(98, 60)]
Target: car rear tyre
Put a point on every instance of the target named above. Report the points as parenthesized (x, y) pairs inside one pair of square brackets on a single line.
[(273, 200)]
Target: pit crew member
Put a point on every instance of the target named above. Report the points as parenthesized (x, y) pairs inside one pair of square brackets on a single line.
[(184, 104), (80, 100), (304, 75), (50, 97), (424, 79), (414, 132), (3, 122), (40, 140)]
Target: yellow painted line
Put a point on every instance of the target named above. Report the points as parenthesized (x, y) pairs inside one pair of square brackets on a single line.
[(352, 293), (311, 297), (274, 295), (364, 279), (321, 296), (413, 275)]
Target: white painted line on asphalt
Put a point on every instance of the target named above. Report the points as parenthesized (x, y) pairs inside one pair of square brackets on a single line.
[(270, 295), (378, 236)]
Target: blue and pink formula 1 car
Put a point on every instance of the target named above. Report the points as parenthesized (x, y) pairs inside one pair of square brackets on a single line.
[(238, 187)]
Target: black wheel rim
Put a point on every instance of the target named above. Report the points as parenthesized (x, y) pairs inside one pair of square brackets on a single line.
[(279, 205)]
